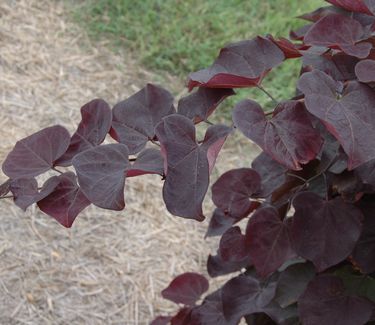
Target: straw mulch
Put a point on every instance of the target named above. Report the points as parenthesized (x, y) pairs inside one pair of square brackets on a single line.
[(110, 267)]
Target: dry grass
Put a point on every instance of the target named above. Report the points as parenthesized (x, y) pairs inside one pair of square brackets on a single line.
[(110, 267)]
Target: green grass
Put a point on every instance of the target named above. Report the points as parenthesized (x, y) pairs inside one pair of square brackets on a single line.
[(181, 36)]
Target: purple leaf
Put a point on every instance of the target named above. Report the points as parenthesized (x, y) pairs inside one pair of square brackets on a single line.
[(324, 232), (182, 317), (292, 283), (217, 267), (220, 222), (349, 115), (40, 150), (268, 240), (5, 188), (161, 320), (242, 64), (186, 289), (66, 201), (92, 130), (135, 118), (355, 5), (245, 295), (364, 251), (366, 173), (365, 71), (288, 137), (25, 191), (272, 174), (325, 302), (199, 105), (211, 312), (233, 246), (188, 164), (319, 13), (233, 190), (149, 161), (345, 33), (101, 174)]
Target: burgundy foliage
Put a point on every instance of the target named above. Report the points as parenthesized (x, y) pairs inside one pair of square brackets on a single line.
[(307, 254)]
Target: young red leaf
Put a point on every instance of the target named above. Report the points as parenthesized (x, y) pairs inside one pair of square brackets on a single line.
[(349, 116), (325, 302), (289, 49), (211, 312), (242, 64), (272, 174), (36, 153), (199, 105), (268, 241), (364, 251), (161, 320), (345, 34), (288, 136), (186, 289), (245, 295), (5, 188), (66, 201), (362, 6), (92, 130), (292, 283), (233, 190), (324, 232), (101, 174), (365, 71), (149, 161), (188, 164), (25, 191), (135, 118)]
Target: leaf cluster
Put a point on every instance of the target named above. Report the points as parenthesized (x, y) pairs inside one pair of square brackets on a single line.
[(307, 254)]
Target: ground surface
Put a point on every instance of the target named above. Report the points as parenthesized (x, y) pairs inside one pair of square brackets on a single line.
[(110, 267)]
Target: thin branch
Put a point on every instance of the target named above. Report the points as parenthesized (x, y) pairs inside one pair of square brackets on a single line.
[(56, 170), (268, 94), (208, 122), (7, 197), (133, 159), (154, 142)]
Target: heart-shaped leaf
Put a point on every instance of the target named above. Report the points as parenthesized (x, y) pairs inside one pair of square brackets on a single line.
[(66, 201), (24, 191), (245, 295), (233, 190), (149, 161), (288, 137), (325, 302), (365, 71), (101, 174), (242, 64), (199, 105), (92, 130), (220, 222), (345, 34), (217, 267), (40, 150), (188, 163), (324, 232), (186, 289), (362, 6), (233, 246), (268, 241), (135, 118), (348, 115)]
